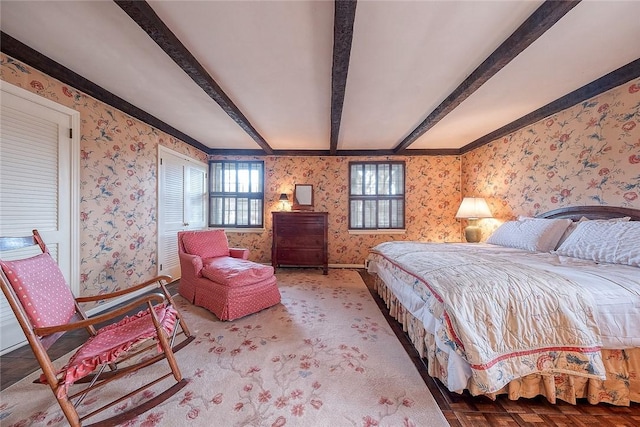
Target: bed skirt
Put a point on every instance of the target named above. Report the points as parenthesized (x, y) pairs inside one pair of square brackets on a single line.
[(621, 387)]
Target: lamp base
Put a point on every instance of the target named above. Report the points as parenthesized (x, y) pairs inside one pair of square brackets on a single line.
[(472, 234)]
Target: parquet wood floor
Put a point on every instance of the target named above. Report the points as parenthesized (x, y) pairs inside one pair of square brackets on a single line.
[(460, 410)]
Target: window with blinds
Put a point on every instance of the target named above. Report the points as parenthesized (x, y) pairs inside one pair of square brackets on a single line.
[(236, 194), (376, 195)]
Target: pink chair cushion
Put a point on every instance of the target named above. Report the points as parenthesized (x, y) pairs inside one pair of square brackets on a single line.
[(113, 340), (234, 271), (42, 290), (206, 244)]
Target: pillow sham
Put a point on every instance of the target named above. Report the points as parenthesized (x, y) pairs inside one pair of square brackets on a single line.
[(573, 226), (531, 234), (614, 242)]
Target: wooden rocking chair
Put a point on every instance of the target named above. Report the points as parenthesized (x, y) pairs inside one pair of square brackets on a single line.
[(45, 309)]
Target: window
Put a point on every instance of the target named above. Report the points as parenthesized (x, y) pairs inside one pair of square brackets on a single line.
[(376, 195), (236, 196)]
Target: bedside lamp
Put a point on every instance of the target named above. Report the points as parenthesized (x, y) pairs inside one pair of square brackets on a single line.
[(284, 199), (473, 208)]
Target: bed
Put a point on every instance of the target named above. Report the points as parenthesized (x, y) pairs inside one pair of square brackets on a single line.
[(549, 306)]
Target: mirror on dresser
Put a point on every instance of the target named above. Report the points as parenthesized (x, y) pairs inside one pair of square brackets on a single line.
[(303, 197)]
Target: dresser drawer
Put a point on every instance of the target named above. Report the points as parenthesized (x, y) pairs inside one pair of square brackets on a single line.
[(300, 227), (299, 241), (300, 257), (293, 231)]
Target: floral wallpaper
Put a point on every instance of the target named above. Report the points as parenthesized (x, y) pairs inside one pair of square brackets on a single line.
[(117, 183), (588, 154), (433, 197)]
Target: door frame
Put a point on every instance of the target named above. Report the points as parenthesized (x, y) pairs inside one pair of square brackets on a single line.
[(67, 178)]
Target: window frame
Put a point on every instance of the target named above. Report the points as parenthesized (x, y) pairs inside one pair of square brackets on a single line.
[(250, 195), (378, 197)]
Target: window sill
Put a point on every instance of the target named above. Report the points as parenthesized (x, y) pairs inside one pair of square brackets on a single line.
[(241, 230), (379, 231)]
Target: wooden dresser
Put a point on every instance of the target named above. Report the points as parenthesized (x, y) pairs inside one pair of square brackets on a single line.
[(300, 239)]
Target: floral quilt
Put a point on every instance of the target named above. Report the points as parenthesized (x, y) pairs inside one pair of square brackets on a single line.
[(506, 319)]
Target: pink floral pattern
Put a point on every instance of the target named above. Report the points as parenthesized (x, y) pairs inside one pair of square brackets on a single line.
[(117, 183), (307, 361), (588, 154)]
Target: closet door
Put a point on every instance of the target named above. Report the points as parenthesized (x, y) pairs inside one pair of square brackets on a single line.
[(182, 205), (38, 186)]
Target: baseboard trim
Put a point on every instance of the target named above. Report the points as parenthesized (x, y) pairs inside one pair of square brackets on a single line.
[(346, 265)]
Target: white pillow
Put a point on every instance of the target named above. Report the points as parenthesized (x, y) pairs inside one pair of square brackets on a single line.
[(573, 226), (531, 234), (616, 242)]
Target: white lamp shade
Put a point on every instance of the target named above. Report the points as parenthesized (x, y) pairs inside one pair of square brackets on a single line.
[(473, 207)]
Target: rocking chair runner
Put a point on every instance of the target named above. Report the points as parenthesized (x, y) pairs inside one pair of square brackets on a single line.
[(45, 309)]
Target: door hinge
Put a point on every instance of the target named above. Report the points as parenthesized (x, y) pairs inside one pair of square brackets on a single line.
[(70, 133), (160, 161), (160, 267)]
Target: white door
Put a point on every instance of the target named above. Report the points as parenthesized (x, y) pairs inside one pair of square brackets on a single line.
[(182, 204), (38, 186)]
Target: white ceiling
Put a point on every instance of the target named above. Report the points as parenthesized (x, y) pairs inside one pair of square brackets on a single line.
[(274, 61)]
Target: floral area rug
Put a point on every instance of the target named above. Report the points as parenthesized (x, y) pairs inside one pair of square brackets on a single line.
[(325, 356)]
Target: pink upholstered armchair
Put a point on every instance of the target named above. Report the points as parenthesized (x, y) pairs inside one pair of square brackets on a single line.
[(222, 279)]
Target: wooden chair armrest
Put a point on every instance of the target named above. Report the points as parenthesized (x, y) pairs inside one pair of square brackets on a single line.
[(115, 294), (155, 297)]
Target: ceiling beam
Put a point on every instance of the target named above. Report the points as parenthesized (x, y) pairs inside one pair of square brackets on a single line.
[(343, 19), (535, 26), (143, 15), (343, 153), (614, 79), (20, 51)]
